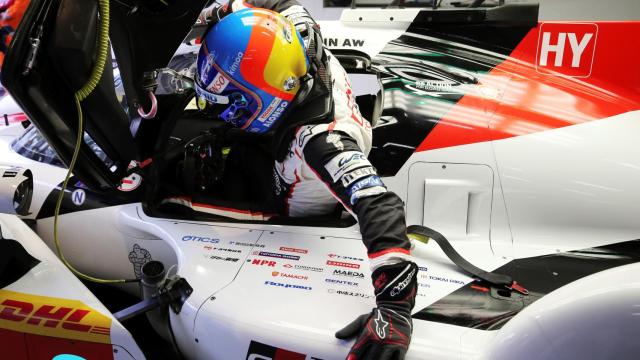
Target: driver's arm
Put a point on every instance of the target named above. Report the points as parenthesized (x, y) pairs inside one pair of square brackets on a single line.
[(289, 8)]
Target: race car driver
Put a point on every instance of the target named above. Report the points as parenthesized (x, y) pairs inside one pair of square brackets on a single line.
[(262, 62)]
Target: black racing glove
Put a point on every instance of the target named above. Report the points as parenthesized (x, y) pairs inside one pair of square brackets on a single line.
[(385, 333)]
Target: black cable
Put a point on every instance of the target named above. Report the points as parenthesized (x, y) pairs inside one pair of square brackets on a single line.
[(174, 343)]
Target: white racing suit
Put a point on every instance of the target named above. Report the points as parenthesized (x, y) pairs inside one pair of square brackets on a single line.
[(326, 164)]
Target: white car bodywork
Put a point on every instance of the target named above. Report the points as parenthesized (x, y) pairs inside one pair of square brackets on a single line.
[(539, 194)]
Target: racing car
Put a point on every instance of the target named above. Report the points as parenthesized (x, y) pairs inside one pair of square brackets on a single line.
[(509, 130)]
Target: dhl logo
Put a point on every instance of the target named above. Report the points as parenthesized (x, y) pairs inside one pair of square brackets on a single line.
[(49, 316)]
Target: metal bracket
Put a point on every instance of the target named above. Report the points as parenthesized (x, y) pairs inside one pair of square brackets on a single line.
[(169, 80)]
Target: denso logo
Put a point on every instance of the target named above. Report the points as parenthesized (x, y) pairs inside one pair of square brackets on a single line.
[(200, 239), (219, 83), (49, 316), (571, 46)]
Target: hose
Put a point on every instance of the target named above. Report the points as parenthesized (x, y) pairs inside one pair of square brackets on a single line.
[(80, 95)]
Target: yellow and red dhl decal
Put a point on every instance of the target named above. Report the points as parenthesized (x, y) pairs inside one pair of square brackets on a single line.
[(56, 317)]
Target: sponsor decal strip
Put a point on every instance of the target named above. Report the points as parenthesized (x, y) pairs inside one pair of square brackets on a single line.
[(200, 239), (343, 264), (287, 286), (277, 255), (346, 162), (294, 250), (269, 263), (350, 293)]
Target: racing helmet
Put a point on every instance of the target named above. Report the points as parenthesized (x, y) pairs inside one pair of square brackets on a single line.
[(252, 64)]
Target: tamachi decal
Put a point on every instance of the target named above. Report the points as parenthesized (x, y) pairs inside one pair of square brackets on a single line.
[(290, 276)]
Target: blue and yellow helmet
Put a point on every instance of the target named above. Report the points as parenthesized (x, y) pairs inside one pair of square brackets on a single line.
[(252, 64)]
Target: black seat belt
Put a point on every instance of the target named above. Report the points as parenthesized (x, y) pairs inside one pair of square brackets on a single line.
[(497, 280)]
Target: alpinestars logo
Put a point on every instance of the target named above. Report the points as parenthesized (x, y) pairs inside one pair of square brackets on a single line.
[(381, 325), (398, 288)]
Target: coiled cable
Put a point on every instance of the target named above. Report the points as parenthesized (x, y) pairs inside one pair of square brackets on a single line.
[(80, 95)]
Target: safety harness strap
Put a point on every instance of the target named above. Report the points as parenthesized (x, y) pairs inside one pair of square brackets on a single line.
[(498, 280)]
